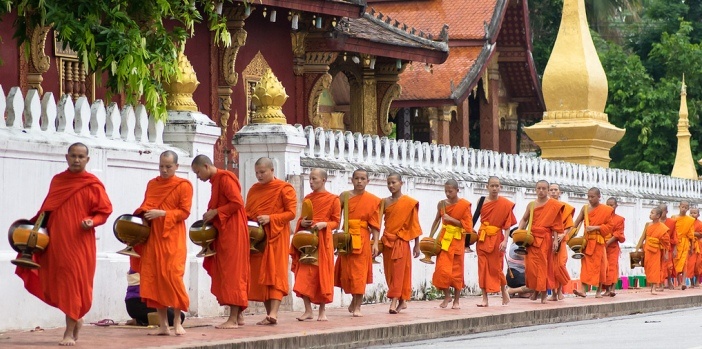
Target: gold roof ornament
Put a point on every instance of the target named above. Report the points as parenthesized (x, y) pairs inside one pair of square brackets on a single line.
[(684, 166), (574, 127), (181, 87), (268, 98)]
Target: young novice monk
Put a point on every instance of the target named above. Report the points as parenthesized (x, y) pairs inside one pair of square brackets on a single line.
[(496, 217), (457, 219), (656, 245), (401, 226), (354, 270), (314, 283)]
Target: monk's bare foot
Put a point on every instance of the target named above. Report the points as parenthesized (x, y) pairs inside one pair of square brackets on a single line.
[(505, 298), (560, 296), (553, 298), (264, 322), (179, 330), (393, 306), (67, 341), (322, 317), (162, 331), (445, 302), (598, 294), (272, 320), (543, 297), (305, 316), (76, 330), (579, 293), (456, 305), (227, 325), (653, 292), (357, 313), (401, 305), (240, 319), (351, 307), (533, 296)]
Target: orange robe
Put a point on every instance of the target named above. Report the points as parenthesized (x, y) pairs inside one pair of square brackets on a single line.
[(561, 277), (613, 251), (229, 268), (656, 241), (269, 270), (65, 279), (538, 260), (316, 282), (449, 262), (668, 268), (594, 263), (163, 259), (401, 227), (685, 231), (698, 264), (495, 216), (353, 271)]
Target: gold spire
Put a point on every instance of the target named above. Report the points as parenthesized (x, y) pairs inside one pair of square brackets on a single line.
[(575, 127), (181, 87), (684, 166), (268, 97)]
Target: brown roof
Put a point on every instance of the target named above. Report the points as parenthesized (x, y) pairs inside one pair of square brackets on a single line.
[(418, 84), (467, 19)]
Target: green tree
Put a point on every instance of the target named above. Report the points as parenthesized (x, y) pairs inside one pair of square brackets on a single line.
[(133, 42)]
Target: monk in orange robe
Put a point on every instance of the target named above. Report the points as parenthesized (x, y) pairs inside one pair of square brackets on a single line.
[(693, 260), (166, 206), (401, 227), (457, 219), (229, 268), (656, 241), (544, 217), (496, 217), (561, 277), (668, 269), (598, 224), (76, 204), (314, 282), (354, 270), (685, 231), (272, 203), (612, 249)]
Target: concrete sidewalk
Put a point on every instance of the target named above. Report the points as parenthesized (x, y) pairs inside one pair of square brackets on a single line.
[(421, 320)]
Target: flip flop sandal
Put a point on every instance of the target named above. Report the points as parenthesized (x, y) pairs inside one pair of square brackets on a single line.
[(104, 323)]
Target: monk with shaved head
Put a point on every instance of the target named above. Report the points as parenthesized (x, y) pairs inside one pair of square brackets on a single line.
[(667, 267), (561, 277), (598, 224), (354, 270), (455, 215), (613, 251), (272, 203), (229, 267), (314, 283), (656, 247), (685, 231)]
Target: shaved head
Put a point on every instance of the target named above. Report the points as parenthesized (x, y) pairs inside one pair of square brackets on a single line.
[(320, 172), (595, 190), (396, 175), (658, 210), (493, 178), (201, 160), (265, 162), (170, 154), (78, 144), (452, 183), (359, 170)]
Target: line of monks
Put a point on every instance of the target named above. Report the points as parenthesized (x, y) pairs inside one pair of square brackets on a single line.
[(77, 203)]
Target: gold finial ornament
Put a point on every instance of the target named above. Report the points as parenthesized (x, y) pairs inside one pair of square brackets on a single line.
[(268, 98), (684, 166), (574, 127), (181, 87)]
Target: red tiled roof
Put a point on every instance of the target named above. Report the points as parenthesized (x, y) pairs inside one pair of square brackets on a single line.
[(418, 84), (467, 19)]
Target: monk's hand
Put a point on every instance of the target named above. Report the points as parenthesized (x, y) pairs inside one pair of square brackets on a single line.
[(151, 214), (264, 219), (415, 251), (210, 215), (86, 224), (503, 245), (591, 228), (556, 243), (320, 225), (374, 249), (306, 223)]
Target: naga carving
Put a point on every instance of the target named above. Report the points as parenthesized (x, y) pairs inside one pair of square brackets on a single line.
[(390, 95), (322, 83)]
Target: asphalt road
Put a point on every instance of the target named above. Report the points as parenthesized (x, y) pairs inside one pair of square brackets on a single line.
[(667, 329)]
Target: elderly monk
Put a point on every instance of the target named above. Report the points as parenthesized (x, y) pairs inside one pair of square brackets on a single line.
[(685, 231), (76, 204), (693, 260), (457, 219), (401, 227), (166, 206), (314, 283), (656, 241), (496, 217), (354, 270), (546, 219), (272, 203), (561, 277), (229, 268), (668, 269), (598, 224), (613, 251)]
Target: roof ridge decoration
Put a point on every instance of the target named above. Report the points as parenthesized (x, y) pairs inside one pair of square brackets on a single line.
[(403, 29)]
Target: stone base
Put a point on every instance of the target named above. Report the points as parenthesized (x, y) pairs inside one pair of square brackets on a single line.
[(585, 141)]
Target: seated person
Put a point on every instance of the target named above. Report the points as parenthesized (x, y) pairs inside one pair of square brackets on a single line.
[(137, 309), (515, 274)]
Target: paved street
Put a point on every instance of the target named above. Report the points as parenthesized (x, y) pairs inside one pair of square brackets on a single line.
[(666, 329)]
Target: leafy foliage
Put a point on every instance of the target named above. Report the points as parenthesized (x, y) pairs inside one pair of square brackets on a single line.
[(133, 42)]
